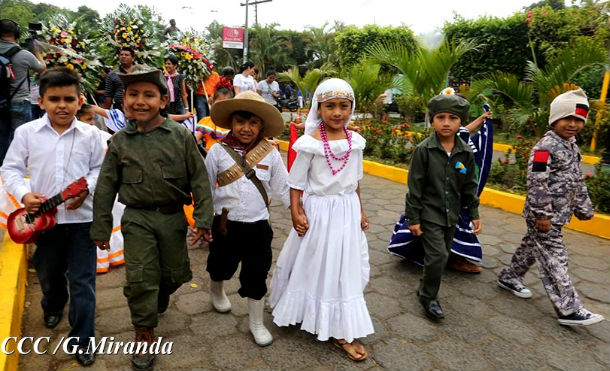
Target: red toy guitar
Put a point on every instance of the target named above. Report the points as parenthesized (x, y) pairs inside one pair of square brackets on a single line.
[(24, 227)]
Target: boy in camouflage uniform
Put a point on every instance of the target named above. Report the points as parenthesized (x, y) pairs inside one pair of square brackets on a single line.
[(555, 191), (154, 166)]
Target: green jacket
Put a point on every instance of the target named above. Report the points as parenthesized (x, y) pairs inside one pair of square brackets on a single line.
[(439, 185), (161, 167)]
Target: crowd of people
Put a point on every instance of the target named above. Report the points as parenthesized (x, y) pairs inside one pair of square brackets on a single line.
[(155, 167)]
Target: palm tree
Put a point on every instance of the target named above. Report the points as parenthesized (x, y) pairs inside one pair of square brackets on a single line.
[(367, 83), (267, 48), (321, 45), (530, 99), (425, 71), (309, 82)]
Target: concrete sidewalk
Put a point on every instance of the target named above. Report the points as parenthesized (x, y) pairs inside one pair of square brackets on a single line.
[(485, 328)]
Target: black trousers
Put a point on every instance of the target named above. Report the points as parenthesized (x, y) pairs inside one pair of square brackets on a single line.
[(65, 260), (248, 243)]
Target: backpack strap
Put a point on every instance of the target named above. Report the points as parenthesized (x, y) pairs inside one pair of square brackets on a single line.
[(244, 167), (9, 55)]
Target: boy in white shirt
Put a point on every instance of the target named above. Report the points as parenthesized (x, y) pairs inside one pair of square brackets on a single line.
[(247, 168), (57, 149)]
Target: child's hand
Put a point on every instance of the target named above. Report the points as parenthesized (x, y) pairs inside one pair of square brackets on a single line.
[(199, 233), (76, 202), (32, 201), (104, 245), (477, 226), (416, 230), (543, 225), (364, 222), (299, 221)]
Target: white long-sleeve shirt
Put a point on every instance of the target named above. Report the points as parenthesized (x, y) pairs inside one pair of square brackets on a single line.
[(53, 162), (241, 198)]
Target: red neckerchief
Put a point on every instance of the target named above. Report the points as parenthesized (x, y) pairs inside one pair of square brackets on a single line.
[(232, 142)]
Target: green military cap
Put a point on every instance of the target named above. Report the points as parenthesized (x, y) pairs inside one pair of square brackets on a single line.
[(449, 103), (142, 72)]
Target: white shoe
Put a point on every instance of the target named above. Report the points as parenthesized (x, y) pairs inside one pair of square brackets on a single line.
[(262, 336), (220, 302), (580, 318), (521, 291)]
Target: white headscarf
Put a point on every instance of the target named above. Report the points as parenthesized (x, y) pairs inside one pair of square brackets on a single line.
[(328, 89)]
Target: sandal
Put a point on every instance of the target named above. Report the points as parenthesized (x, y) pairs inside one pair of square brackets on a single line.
[(341, 345)]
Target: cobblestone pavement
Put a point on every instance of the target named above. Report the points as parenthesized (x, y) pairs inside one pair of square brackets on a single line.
[(485, 328)]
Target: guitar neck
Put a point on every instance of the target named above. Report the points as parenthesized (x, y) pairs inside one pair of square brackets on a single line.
[(49, 204)]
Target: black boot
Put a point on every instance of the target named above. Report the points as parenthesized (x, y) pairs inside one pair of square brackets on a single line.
[(143, 360)]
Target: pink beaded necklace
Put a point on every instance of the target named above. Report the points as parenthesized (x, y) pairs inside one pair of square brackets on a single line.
[(328, 153)]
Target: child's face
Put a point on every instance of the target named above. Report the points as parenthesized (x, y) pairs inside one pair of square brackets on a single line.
[(143, 100), (60, 103), (568, 127), (335, 112), (87, 117), (246, 130), (446, 124)]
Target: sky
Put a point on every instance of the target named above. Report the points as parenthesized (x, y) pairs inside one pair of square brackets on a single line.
[(422, 16)]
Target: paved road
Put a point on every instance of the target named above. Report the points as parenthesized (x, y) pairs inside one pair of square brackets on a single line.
[(485, 328)]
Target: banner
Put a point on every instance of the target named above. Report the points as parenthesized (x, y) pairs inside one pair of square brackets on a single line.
[(232, 38)]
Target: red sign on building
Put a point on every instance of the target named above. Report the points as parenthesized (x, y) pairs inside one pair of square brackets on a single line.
[(232, 38)]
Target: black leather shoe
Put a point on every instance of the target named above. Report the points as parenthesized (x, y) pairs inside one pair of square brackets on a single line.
[(51, 320), (84, 358), (433, 309), (162, 302)]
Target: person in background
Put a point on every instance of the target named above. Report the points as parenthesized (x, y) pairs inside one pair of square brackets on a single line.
[(244, 81), (18, 109), (205, 92), (113, 96), (101, 87), (171, 31), (178, 99), (269, 89)]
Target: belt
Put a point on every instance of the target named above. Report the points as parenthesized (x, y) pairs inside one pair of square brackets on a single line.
[(163, 209)]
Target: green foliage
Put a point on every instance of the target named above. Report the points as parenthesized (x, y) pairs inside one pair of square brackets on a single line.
[(598, 185), (321, 47), (425, 71), (368, 84), (306, 83), (509, 175), (268, 48), (223, 57), (529, 100), (352, 41), (507, 40)]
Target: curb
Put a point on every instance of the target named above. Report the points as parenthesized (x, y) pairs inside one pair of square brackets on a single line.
[(598, 226), (13, 277)]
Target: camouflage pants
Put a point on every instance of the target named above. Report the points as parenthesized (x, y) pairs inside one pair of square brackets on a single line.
[(552, 256)]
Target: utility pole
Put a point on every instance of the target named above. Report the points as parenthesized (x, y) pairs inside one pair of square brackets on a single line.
[(255, 3)]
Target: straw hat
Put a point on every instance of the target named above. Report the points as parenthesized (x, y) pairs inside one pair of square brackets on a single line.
[(249, 101)]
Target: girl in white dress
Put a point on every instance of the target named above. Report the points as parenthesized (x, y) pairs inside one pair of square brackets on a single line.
[(321, 273)]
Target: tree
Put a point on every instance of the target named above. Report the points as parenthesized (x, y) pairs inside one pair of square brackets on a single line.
[(425, 71), (530, 100), (321, 46), (309, 82), (268, 48), (352, 41), (368, 83), (223, 57)]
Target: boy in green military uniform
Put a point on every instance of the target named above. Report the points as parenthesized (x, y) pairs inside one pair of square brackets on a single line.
[(154, 166), (442, 177)]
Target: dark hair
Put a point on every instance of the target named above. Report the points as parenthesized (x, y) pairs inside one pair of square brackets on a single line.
[(246, 115), (8, 26), (57, 77), (84, 109), (255, 70), (270, 72), (228, 71), (246, 66), (128, 49), (172, 58), (106, 69), (222, 91)]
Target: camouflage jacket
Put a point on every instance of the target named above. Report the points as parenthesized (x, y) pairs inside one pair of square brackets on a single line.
[(555, 185)]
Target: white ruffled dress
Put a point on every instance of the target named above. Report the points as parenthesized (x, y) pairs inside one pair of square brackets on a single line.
[(319, 279)]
